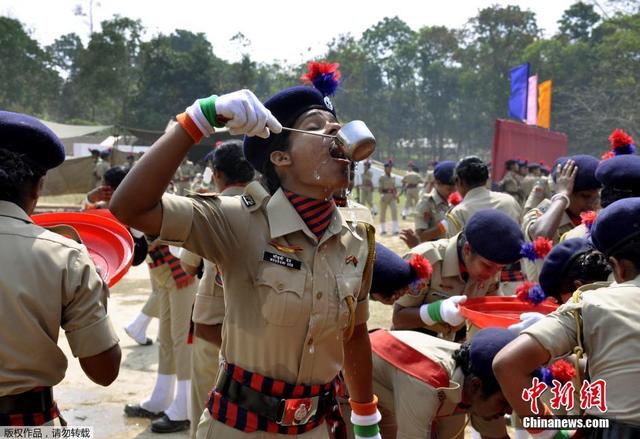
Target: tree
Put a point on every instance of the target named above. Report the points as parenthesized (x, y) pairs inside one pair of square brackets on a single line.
[(578, 21), (104, 79), (174, 70), (29, 83)]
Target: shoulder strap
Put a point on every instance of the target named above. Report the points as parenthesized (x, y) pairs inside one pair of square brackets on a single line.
[(407, 359), (578, 350)]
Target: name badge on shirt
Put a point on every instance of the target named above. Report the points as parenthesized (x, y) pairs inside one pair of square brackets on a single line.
[(285, 261)]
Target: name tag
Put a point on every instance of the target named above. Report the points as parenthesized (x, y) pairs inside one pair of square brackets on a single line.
[(285, 261)]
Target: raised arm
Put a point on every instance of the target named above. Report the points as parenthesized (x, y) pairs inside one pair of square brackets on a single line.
[(136, 202), (548, 224)]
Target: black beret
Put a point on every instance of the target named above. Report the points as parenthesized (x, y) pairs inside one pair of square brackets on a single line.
[(443, 171), (510, 162), (616, 225), (391, 272), (558, 261), (494, 235), (484, 347), (26, 135), (286, 105), (534, 165), (522, 163), (620, 172), (586, 176)]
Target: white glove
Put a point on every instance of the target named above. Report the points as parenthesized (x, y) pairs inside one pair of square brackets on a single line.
[(526, 319), (246, 114), (449, 311)]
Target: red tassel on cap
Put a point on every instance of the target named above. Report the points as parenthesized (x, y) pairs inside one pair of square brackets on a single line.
[(421, 266), (454, 199)]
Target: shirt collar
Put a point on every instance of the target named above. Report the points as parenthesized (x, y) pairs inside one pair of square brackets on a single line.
[(283, 219), (476, 191), (12, 210), (633, 282), (230, 191), (450, 262), (437, 198)]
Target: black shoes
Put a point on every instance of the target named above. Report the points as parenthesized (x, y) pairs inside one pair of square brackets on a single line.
[(166, 425), (136, 411)]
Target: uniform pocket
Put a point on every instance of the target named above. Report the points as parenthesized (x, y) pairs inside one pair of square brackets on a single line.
[(348, 289), (281, 290)]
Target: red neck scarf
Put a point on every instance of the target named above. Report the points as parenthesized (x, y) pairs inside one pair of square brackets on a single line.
[(316, 214)]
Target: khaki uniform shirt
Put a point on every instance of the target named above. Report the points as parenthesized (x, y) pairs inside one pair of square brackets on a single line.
[(430, 210), (417, 404), (208, 308), (47, 281), (412, 178), (287, 294), (611, 341), (577, 232), (367, 179), (446, 280), (476, 199), (532, 268), (386, 183)]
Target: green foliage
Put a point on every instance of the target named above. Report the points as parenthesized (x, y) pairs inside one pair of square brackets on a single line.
[(430, 93)]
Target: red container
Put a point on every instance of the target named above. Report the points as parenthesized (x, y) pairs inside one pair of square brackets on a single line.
[(500, 311), (109, 243)]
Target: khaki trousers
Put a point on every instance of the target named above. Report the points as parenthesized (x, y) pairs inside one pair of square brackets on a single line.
[(388, 201), (204, 371)]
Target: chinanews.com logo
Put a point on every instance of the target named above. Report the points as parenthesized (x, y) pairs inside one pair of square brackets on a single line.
[(591, 395)]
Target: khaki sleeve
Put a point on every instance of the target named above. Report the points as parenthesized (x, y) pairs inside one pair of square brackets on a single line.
[(510, 186), (84, 310), (362, 306), (529, 220), (557, 331), (190, 258), (208, 308), (423, 215), (198, 224)]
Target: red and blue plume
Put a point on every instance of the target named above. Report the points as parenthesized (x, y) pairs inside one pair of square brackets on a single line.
[(530, 292), (560, 370), (621, 144), (537, 249), (323, 76), (588, 218)]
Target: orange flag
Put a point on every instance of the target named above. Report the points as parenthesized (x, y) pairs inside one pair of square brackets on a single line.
[(544, 104)]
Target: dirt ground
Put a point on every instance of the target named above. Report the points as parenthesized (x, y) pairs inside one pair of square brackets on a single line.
[(84, 403)]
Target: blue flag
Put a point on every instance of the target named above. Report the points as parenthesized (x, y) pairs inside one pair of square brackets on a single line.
[(519, 92)]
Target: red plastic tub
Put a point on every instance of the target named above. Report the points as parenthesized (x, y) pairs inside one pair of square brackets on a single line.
[(500, 311), (109, 243)]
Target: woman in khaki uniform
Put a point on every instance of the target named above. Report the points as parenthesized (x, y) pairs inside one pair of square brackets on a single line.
[(410, 187), (577, 191), (47, 282), (428, 386), (296, 274), (366, 188), (603, 322), (466, 265), (388, 199)]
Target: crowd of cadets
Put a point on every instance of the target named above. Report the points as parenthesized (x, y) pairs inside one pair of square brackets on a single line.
[(262, 288)]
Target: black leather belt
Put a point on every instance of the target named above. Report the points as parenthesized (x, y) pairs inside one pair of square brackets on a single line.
[(294, 411), (33, 401)]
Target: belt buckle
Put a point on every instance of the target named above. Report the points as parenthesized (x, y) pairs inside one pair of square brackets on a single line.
[(297, 411)]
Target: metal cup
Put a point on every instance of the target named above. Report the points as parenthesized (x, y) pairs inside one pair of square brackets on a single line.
[(356, 140)]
